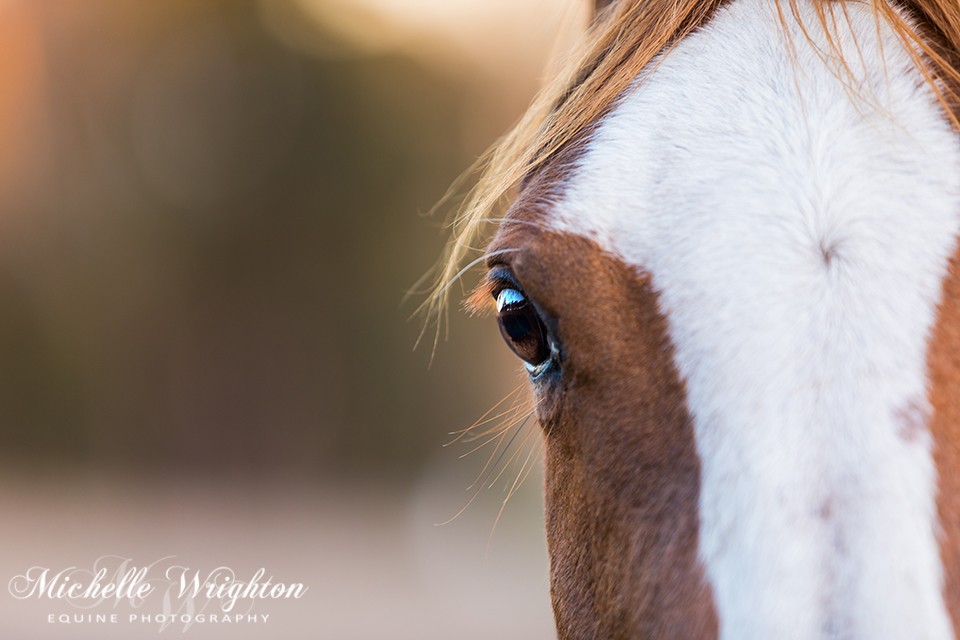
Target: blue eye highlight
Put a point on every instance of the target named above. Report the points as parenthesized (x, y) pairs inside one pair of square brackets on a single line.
[(509, 297)]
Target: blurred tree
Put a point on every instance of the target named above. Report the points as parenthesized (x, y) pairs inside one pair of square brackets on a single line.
[(206, 275)]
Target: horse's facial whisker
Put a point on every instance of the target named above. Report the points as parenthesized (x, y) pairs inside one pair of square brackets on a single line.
[(499, 434), (518, 413), (513, 455), (500, 437), (516, 485), (481, 421)]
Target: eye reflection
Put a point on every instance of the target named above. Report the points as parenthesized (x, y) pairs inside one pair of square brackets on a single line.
[(521, 327)]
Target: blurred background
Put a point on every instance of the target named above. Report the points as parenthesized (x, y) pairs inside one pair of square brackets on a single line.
[(210, 211)]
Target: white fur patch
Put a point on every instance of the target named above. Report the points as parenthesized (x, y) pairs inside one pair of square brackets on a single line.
[(797, 238)]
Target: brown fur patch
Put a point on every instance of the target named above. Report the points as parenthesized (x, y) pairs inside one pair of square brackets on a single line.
[(622, 473), (944, 364)]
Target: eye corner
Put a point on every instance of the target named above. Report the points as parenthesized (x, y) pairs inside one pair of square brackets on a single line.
[(551, 363)]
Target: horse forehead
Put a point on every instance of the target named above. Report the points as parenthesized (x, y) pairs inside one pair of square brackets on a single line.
[(744, 130)]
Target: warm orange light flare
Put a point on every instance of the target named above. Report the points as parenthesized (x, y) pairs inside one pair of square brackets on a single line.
[(22, 92)]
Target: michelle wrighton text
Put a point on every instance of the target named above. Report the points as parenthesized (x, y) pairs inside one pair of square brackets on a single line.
[(185, 594)]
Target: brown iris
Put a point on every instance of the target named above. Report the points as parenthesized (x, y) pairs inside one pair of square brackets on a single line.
[(521, 327)]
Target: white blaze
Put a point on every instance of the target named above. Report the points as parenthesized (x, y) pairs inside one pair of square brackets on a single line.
[(797, 239)]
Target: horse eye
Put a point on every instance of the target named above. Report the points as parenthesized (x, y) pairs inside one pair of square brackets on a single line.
[(521, 327)]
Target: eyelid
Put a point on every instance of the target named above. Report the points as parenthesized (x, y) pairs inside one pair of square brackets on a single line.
[(502, 278)]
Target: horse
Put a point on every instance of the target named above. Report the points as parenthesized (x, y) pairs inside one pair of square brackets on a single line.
[(729, 264)]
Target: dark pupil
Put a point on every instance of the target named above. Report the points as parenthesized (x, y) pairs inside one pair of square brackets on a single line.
[(523, 331), (516, 325)]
